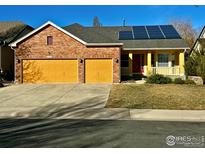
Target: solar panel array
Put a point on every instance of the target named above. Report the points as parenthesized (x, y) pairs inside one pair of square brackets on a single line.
[(150, 32)]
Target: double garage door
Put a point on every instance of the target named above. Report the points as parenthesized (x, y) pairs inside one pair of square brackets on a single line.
[(66, 71)]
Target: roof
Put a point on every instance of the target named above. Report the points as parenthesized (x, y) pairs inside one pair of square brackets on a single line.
[(12, 30), (109, 34)]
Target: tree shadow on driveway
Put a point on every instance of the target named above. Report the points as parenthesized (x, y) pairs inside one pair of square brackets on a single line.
[(90, 108)]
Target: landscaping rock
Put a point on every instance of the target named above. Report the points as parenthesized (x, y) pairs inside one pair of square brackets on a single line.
[(1, 85), (197, 79)]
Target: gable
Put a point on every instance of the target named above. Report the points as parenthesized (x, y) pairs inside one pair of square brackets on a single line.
[(42, 28), (39, 39)]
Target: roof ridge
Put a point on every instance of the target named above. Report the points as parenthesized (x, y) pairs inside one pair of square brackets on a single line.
[(129, 26)]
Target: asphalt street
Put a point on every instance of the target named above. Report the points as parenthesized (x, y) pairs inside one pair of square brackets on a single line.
[(94, 133)]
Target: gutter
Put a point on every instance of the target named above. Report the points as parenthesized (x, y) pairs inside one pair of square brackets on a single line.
[(104, 44), (155, 48)]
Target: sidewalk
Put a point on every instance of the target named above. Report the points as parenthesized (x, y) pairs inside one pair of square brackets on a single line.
[(168, 115)]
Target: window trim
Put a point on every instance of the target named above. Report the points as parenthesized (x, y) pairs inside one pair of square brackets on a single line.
[(163, 63)]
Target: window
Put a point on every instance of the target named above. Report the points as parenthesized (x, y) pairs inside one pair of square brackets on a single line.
[(49, 40), (163, 60), (124, 60)]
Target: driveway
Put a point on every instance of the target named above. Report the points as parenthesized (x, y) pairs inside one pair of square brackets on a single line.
[(55, 101)]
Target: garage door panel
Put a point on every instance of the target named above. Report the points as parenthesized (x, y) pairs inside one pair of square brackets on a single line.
[(98, 71), (48, 71)]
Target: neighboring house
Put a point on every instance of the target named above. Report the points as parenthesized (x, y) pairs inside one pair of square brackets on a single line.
[(9, 32), (78, 54), (199, 44)]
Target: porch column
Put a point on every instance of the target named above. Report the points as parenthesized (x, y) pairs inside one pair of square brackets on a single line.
[(170, 60), (156, 59), (181, 63), (130, 63), (149, 63)]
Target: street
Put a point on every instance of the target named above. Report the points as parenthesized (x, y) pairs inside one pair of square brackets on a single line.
[(70, 133)]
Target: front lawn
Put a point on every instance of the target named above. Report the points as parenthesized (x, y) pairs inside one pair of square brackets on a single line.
[(156, 96)]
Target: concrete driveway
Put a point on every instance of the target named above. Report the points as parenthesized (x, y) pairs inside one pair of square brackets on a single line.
[(56, 101)]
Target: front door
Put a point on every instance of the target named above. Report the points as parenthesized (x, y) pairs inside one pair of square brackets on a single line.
[(136, 67)]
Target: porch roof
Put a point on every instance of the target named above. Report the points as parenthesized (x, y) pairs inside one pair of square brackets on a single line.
[(155, 44)]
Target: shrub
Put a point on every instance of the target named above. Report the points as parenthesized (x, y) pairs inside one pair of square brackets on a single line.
[(179, 81), (195, 64), (158, 79), (189, 81)]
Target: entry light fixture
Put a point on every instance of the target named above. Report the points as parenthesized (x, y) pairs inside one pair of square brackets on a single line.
[(81, 60), (116, 60), (18, 61)]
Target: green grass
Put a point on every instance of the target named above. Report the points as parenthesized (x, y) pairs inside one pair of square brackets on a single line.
[(154, 96)]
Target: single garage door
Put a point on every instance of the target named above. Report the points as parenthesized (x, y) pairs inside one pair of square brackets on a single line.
[(98, 71), (50, 71)]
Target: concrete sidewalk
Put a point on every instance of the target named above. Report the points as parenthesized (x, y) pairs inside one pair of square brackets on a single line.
[(168, 115)]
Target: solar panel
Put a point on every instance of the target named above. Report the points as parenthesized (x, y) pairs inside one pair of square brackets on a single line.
[(125, 35), (170, 32), (154, 32), (140, 32)]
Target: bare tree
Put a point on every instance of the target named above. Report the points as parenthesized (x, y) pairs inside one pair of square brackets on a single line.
[(186, 30), (96, 22)]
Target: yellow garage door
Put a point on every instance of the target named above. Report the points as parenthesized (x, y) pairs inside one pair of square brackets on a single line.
[(98, 71), (50, 71)]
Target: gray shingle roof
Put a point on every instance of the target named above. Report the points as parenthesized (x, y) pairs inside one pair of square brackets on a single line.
[(109, 34), (12, 30), (155, 43)]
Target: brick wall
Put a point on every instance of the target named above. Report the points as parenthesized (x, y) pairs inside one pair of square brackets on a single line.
[(64, 46)]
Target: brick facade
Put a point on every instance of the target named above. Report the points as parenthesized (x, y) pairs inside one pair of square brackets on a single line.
[(63, 47)]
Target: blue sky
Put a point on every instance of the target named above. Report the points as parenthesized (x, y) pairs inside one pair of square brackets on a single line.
[(108, 15)]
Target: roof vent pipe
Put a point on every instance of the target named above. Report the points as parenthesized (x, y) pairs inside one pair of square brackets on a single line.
[(123, 22)]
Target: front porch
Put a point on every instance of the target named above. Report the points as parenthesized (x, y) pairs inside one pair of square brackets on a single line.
[(166, 62)]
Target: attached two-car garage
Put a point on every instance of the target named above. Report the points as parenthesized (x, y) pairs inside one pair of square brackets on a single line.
[(50, 71), (66, 71)]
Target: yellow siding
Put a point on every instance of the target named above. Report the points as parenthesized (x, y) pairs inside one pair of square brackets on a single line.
[(98, 71), (50, 71)]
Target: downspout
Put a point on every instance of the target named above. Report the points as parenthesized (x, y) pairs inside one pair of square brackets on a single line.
[(1, 70), (14, 63)]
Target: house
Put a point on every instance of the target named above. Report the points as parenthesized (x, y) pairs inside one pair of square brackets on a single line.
[(78, 54), (199, 44), (9, 32)]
